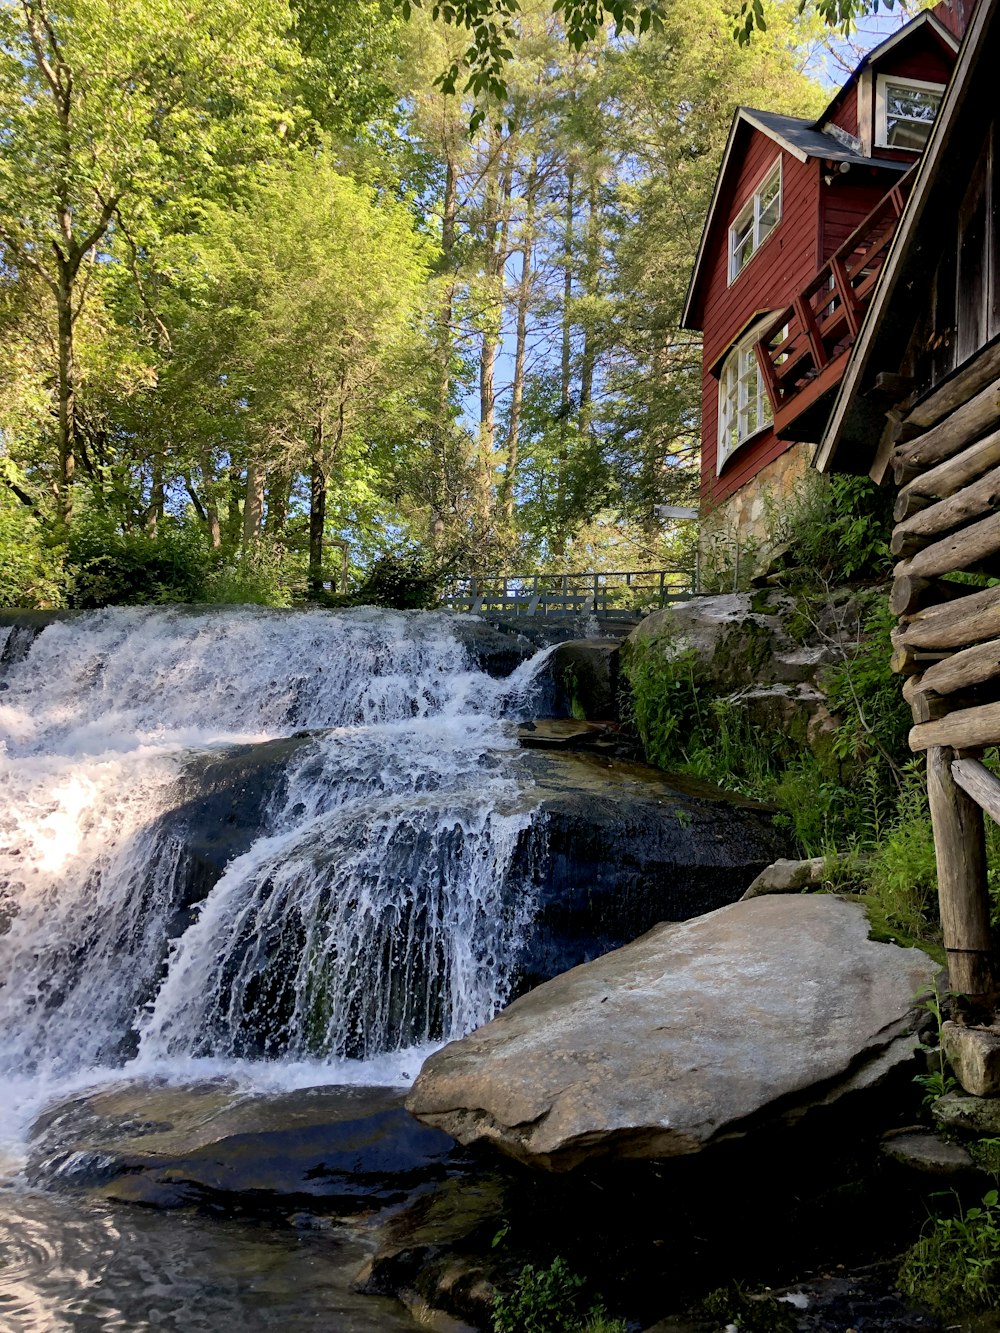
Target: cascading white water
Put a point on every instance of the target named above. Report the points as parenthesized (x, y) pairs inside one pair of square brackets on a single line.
[(372, 914)]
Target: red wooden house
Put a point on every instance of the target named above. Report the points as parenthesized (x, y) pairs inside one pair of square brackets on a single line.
[(798, 228)]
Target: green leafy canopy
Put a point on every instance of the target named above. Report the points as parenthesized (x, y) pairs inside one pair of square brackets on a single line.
[(492, 26)]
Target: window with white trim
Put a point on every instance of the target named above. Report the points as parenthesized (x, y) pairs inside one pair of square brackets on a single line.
[(905, 110), (755, 221), (744, 407)]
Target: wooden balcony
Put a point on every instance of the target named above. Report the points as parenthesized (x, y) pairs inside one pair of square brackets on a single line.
[(803, 351)]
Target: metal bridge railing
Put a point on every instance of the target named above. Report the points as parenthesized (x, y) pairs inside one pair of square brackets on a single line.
[(604, 594)]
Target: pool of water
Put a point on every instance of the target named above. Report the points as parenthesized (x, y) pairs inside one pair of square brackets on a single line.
[(72, 1263)]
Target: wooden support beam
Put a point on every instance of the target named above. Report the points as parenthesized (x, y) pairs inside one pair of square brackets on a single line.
[(924, 706), (907, 661), (961, 671), (954, 473), (955, 624), (965, 729), (982, 497), (977, 781), (966, 424), (910, 594), (963, 893), (909, 503), (961, 550), (975, 374)]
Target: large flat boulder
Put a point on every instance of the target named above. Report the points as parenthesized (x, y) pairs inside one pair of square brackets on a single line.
[(696, 1032)]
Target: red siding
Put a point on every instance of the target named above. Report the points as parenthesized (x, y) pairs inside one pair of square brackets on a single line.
[(847, 201), (843, 110), (784, 263)]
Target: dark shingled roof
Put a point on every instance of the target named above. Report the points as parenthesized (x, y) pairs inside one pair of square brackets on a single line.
[(801, 136)]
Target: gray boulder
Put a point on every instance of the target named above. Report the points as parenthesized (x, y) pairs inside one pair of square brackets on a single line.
[(692, 1034)]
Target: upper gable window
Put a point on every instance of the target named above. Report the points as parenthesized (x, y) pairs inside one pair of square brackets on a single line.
[(905, 110), (755, 221)]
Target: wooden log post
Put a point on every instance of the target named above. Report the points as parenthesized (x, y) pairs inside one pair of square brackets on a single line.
[(960, 848)]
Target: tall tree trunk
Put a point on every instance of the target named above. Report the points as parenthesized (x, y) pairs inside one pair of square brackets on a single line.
[(588, 358), (499, 180), (66, 395), (445, 335), (211, 502), (253, 505), (317, 509), (566, 361), (234, 507), (278, 493), (521, 343), (154, 514)]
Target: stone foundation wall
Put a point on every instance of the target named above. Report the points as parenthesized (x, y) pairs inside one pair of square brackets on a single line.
[(744, 523)]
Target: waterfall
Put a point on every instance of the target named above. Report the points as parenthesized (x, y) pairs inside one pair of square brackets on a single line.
[(374, 910)]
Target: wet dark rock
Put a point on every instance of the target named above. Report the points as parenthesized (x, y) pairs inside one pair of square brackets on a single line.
[(920, 1150), (333, 1149), (563, 734), (618, 847), (959, 1113), (585, 676), (440, 1247), (494, 649), (615, 848)]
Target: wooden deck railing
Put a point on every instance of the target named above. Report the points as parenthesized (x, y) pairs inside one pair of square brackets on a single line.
[(606, 594), (802, 353)]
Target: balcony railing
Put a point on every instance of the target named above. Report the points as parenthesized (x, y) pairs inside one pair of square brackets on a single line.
[(802, 353)]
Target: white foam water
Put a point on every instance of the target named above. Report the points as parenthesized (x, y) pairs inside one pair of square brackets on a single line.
[(374, 915)]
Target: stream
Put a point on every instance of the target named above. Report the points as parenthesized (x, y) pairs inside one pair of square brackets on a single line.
[(371, 916)]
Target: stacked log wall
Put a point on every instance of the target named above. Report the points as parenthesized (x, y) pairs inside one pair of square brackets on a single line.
[(946, 462)]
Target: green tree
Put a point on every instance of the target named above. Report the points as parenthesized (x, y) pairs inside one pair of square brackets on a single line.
[(113, 116)]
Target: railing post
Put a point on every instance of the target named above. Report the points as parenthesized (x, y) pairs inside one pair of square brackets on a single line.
[(842, 287), (804, 314)]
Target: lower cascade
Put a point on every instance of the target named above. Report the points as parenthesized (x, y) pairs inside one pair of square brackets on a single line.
[(373, 911)]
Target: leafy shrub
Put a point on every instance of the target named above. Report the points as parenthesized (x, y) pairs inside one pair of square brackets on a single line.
[(112, 567), (837, 529), (256, 575), (30, 573), (902, 874), (954, 1268), (405, 580), (548, 1300)]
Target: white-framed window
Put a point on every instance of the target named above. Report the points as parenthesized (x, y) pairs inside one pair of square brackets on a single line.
[(905, 110), (755, 221), (744, 407)]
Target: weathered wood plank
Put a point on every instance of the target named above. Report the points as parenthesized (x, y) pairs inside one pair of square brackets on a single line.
[(951, 475), (954, 473), (965, 729), (981, 497), (960, 847), (910, 594), (924, 706), (965, 425), (906, 661), (975, 374), (961, 550), (977, 781), (958, 624), (909, 503), (960, 671)]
